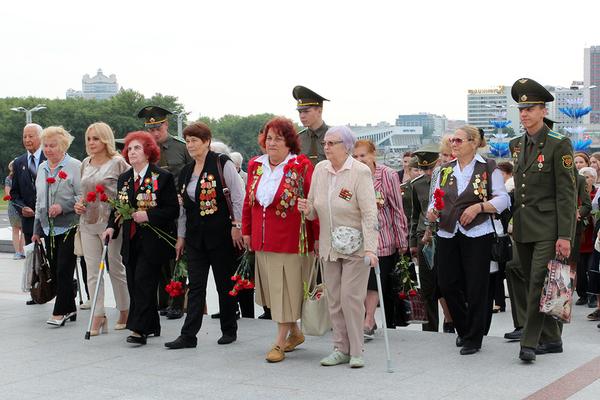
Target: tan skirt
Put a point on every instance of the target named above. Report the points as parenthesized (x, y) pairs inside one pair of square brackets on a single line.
[(279, 283)]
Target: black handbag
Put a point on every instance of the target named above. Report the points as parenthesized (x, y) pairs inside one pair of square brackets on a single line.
[(43, 288), (501, 246)]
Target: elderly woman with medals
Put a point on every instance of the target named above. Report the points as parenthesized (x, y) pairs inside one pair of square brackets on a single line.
[(145, 210), (472, 190), (210, 232), (275, 229)]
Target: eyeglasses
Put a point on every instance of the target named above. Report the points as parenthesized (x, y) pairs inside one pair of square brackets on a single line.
[(276, 139), (328, 143), (459, 141)]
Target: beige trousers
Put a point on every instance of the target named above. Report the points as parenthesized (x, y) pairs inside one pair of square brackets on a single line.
[(92, 250), (346, 281)]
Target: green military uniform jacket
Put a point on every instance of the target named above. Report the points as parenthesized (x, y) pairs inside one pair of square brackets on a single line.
[(406, 191), (420, 202), (306, 136), (545, 195), (173, 156)]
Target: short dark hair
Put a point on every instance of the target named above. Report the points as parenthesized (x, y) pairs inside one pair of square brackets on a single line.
[(506, 167), (199, 130), (407, 154)]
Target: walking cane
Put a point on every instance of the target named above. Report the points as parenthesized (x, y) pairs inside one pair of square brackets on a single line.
[(385, 332), (78, 283), (103, 263)]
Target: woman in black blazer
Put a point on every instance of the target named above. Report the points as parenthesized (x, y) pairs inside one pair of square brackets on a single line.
[(150, 190)]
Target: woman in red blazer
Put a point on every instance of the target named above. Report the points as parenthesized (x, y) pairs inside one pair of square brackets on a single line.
[(271, 226)]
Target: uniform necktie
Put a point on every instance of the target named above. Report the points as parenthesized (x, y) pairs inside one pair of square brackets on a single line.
[(313, 155), (136, 187), (32, 168), (529, 153)]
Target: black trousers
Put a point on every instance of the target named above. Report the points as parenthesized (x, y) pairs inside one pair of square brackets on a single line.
[(427, 278), (494, 278), (386, 267), (142, 282), (62, 265), (200, 259), (464, 279), (583, 265)]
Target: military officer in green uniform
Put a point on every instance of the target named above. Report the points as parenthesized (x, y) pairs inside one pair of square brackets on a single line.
[(427, 158), (310, 109), (173, 157), (544, 212)]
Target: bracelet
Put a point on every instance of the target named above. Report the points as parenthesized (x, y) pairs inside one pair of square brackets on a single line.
[(481, 206)]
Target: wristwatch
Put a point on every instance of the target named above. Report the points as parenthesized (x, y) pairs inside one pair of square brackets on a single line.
[(236, 225)]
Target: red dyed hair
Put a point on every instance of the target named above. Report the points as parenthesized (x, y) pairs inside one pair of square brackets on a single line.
[(284, 127), (151, 149)]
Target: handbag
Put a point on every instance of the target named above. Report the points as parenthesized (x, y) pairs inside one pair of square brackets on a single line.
[(43, 288), (557, 292), (344, 239), (501, 245), (27, 267), (417, 309), (315, 309)]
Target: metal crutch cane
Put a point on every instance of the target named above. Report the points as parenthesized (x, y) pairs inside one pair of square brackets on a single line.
[(103, 263), (385, 333), (78, 283)]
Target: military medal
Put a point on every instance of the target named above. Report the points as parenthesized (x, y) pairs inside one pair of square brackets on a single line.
[(208, 195), (540, 161), (345, 194)]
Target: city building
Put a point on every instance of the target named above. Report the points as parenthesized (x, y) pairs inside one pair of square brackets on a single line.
[(391, 141), (433, 125), (99, 87), (484, 105), (591, 77), (454, 124), (572, 96)]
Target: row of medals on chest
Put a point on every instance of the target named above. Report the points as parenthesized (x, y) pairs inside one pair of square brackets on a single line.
[(208, 195)]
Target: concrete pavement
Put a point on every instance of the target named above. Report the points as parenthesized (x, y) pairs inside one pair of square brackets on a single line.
[(38, 361)]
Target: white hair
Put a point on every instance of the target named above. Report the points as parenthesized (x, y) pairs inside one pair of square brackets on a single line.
[(346, 134), (219, 147), (588, 171), (237, 158), (37, 127)]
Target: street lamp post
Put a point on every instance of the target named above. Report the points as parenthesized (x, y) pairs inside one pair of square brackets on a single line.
[(28, 113), (180, 123)]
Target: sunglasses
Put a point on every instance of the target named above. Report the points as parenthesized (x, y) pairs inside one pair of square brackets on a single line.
[(327, 143), (459, 141)]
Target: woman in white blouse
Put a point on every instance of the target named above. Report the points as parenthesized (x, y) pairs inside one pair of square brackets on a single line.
[(473, 191)]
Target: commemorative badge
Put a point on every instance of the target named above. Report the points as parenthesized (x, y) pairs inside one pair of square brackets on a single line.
[(345, 194), (567, 161)]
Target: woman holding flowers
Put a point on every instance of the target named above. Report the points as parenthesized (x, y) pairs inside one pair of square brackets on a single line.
[(99, 174), (471, 189), (57, 186), (274, 228), (209, 231), (144, 209), (342, 196)]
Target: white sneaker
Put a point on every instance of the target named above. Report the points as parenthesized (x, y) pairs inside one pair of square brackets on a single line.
[(86, 306), (335, 358)]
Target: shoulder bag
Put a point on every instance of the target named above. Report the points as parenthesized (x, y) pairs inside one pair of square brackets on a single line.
[(43, 288), (315, 310)]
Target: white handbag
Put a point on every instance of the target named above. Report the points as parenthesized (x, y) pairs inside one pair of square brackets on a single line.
[(344, 239)]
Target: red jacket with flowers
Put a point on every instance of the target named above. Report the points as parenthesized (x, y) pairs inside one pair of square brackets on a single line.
[(277, 228)]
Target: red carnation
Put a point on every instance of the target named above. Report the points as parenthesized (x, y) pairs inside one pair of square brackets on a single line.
[(412, 292), (50, 180), (7, 197), (232, 293), (62, 174), (234, 278), (402, 295), (91, 197), (103, 197), (100, 188)]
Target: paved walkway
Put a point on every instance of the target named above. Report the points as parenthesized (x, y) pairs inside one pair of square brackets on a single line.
[(38, 361)]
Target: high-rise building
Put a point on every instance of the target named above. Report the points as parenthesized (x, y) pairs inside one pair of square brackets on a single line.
[(99, 87), (572, 96), (433, 125), (591, 77), (483, 105)]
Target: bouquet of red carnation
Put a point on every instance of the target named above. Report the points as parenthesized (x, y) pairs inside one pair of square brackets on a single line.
[(176, 287), (438, 199), (296, 169), (244, 274), (7, 197), (62, 175)]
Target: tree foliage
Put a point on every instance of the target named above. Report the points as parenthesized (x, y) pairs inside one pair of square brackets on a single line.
[(120, 112)]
